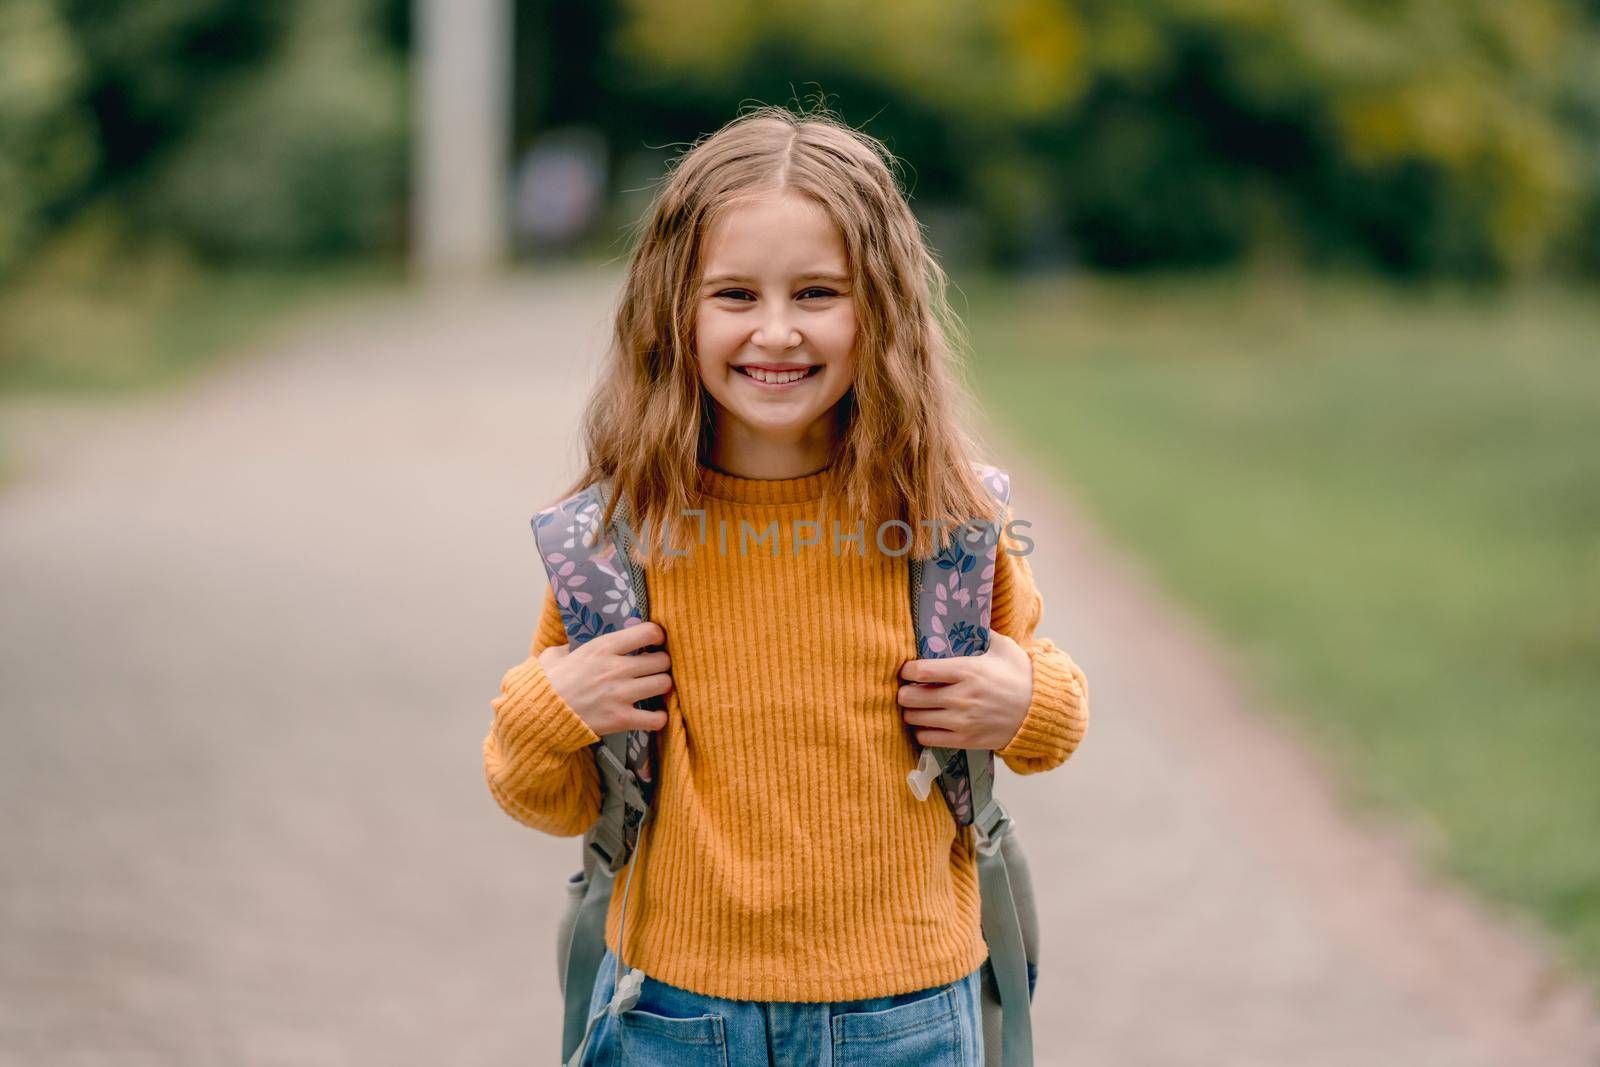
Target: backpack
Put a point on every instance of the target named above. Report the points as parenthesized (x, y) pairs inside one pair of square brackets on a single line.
[(601, 588)]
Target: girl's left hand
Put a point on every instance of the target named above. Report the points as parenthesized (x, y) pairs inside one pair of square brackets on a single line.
[(981, 703)]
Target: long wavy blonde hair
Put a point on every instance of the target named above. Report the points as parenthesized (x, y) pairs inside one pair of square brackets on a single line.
[(903, 448)]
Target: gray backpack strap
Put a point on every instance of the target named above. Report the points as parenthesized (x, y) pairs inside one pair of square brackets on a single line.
[(599, 588), (951, 595)]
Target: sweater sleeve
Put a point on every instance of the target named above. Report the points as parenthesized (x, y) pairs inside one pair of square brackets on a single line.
[(1058, 714), (537, 758)]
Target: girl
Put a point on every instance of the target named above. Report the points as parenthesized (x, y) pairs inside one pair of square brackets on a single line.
[(781, 362)]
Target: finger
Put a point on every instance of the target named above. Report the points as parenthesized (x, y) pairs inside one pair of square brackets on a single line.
[(934, 718), (640, 664), (639, 719), (938, 739), (648, 686), (932, 670), (639, 635), (919, 696)]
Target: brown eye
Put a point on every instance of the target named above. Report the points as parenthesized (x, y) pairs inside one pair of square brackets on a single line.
[(736, 294), (819, 290)]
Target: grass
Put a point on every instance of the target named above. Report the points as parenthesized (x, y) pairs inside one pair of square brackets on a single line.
[(93, 321), (148, 322), (1390, 503)]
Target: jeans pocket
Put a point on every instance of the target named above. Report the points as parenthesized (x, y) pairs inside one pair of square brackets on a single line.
[(928, 1031), (647, 1038)]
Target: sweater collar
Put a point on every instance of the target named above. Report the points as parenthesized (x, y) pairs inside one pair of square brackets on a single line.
[(723, 486)]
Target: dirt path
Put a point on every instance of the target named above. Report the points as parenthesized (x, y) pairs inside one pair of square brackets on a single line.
[(250, 634)]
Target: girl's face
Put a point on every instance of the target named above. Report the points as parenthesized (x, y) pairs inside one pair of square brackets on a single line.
[(775, 326)]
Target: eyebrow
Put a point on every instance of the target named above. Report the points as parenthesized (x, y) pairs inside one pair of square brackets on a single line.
[(816, 275)]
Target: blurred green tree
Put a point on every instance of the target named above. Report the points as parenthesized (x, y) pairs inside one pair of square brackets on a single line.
[(47, 139), (1422, 136), (230, 128), (305, 159)]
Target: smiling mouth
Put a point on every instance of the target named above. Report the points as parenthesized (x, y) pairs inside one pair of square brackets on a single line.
[(787, 377)]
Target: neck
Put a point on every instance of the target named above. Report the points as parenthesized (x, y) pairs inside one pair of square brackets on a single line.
[(754, 458)]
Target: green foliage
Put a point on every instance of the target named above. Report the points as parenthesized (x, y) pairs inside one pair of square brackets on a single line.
[(153, 66), (242, 130), (47, 144), (1421, 136), (1009, 58), (306, 160)]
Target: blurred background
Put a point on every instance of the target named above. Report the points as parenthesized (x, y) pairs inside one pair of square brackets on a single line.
[(1298, 299)]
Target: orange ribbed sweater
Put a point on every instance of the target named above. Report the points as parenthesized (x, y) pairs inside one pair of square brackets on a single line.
[(786, 858)]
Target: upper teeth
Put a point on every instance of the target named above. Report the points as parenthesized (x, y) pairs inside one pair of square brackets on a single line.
[(774, 377)]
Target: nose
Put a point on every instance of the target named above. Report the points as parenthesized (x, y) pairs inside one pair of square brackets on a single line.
[(775, 333)]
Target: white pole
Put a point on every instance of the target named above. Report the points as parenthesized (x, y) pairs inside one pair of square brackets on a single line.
[(461, 94)]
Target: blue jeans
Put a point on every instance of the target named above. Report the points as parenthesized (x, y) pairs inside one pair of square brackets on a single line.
[(937, 1027)]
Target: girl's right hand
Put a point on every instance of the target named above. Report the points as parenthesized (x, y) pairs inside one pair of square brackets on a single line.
[(601, 678)]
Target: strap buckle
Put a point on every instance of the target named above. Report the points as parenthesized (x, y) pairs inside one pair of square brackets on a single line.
[(991, 825), (606, 846), (621, 780), (607, 838), (921, 779)]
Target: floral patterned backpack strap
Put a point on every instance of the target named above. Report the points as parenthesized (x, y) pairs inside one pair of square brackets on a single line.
[(600, 588), (951, 593)]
